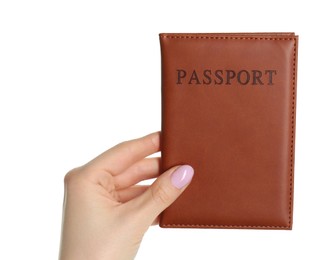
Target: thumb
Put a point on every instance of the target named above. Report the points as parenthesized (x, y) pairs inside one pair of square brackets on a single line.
[(164, 191)]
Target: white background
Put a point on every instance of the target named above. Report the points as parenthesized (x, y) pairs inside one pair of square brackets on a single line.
[(77, 77)]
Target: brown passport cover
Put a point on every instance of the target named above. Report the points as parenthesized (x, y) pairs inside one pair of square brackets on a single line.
[(228, 110)]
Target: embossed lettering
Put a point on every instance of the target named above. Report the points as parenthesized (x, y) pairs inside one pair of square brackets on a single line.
[(225, 77), (181, 75), (194, 77)]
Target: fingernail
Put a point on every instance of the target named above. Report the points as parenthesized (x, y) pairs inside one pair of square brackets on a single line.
[(182, 176)]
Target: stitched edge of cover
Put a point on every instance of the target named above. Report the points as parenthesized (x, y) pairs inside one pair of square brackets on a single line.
[(225, 226), (292, 120), (287, 38)]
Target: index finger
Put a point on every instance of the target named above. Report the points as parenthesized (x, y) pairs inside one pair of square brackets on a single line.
[(120, 157)]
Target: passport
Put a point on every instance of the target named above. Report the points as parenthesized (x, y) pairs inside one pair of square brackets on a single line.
[(229, 111)]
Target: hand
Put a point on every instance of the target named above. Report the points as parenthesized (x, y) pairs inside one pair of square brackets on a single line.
[(105, 214)]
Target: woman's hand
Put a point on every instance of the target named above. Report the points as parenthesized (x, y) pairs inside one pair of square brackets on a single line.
[(105, 213)]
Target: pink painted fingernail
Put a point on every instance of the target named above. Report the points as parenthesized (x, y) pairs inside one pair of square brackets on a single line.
[(182, 176)]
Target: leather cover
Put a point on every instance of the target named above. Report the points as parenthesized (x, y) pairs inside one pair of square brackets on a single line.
[(228, 110)]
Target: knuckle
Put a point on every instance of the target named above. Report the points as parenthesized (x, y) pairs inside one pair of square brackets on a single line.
[(161, 194), (139, 168), (124, 143), (71, 176), (125, 147)]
